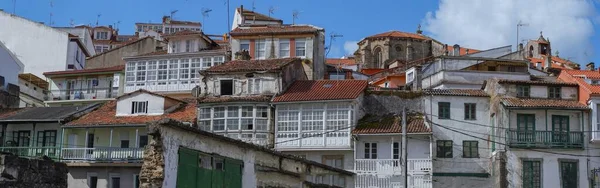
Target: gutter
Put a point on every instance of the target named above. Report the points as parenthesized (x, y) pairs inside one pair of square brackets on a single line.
[(103, 126), (340, 100)]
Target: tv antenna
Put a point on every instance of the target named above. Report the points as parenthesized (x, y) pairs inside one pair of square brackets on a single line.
[(519, 25), (295, 15), (117, 25), (14, 6), (51, 14), (173, 13), (71, 22), (205, 12), (272, 10), (332, 38), (98, 18)]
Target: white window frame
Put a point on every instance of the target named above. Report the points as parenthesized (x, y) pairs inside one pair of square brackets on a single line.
[(259, 50), (136, 104), (245, 42), (188, 45), (291, 122), (284, 52), (237, 133), (174, 47), (254, 86), (102, 35), (233, 81), (173, 71), (195, 67), (300, 44)]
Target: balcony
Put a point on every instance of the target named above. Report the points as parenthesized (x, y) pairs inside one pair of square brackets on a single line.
[(83, 94), (391, 166), (379, 181), (106, 154), (313, 140), (163, 86), (52, 152), (544, 139)]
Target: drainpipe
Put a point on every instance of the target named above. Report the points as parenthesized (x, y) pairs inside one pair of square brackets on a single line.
[(546, 117)]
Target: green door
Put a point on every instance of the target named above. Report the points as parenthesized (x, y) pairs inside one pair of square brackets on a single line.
[(560, 130), (187, 168), (218, 173), (204, 175), (233, 172)]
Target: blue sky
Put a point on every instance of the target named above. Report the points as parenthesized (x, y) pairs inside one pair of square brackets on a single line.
[(466, 22)]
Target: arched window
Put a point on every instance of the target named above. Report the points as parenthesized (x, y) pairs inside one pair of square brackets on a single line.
[(378, 57), (530, 51)]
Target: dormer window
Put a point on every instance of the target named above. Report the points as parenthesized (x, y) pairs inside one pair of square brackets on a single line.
[(554, 92), (254, 86), (523, 91), (226, 87), (102, 35), (139, 107)]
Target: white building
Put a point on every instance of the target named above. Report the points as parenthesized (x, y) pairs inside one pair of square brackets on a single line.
[(540, 131), (85, 34), (175, 70), (235, 97), (247, 17), (33, 90), (29, 41), (168, 26), (314, 119), (378, 152)]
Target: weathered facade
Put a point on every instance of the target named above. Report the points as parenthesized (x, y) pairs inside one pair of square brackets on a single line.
[(20, 172), (181, 153), (114, 57)]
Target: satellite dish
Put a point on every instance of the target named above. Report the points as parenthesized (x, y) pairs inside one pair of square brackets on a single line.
[(196, 91)]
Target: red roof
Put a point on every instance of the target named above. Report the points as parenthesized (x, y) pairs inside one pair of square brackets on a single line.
[(578, 76), (257, 98), (370, 72), (251, 15), (340, 61), (318, 90), (463, 50), (458, 92), (543, 103), (557, 62), (83, 71), (106, 115), (184, 32), (272, 65), (399, 34), (389, 124), (273, 29)]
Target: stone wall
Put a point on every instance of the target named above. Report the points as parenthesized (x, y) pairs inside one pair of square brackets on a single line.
[(392, 102), (403, 49), (114, 57), (19, 172)]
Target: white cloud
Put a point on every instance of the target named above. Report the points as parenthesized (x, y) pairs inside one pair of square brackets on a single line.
[(350, 47), (493, 23)]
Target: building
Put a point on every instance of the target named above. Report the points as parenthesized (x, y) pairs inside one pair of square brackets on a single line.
[(276, 40), (180, 153), (315, 118), (168, 26), (114, 56), (539, 131), (247, 17), (68, 52), (176, 69), (105, 147), (235, 97), (378, 151), (459, 160), (87, 86), (539, 53), (85, 34), (35, 132), (33, 90), (9, 85), (344, 62)]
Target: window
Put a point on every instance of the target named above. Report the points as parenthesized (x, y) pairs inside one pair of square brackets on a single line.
[(115, 181), (470, 111), (162, 70), (254, 86), (206, 63), (396, 150), (444, 148), (532, 174), (174, 45), (124, 143), (554, 92), (370, 150), (245, 45), (511, 69), (218, 60), (284, 48), (443, 110), (195, 68), (526, 122), (92, 180), (568, 173), (184, 69), (151, 70), (470, 149), (102, 35), (226, 87), (173, 65), (140, 73), (538, 65), (378, 57), (261, 49), (70, 66), (143, 141), (337, 76), (560, 129), (491, 68), (136, 181), (188, 45), (300, 47), (523, 91), (139, 107)]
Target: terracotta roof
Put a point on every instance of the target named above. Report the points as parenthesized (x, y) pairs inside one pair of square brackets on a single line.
[(6, 112), (542, 103), (83, 71), (542, 83), (42, 83), (557, 62), (273, 29), (318, 90), (458, 92), (577, 75), (159, 52), (371, 71), (257, 98), (462, 51), (272, 65), (398, 34), (183, 33), (251, 15), (389, 124), (340, 61), (148, 92), (106, 115)]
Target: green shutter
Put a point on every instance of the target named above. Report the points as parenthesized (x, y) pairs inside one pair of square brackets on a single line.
[(233, 172), (218, 173), (186, 168)]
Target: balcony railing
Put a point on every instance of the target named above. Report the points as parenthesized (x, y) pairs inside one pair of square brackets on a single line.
[(163, 86), (102, 154), (83, 94), (313, 140), (596, 134), (378, 181), (392, 166), (544, 139), (52, 152)]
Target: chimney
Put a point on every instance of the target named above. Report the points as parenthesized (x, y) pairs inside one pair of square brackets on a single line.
[(590, 66), (520, 46), (110, 26), (416, 83), (446, 49), (466, 51), (456, 50)]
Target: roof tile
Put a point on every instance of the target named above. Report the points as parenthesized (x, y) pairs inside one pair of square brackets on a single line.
[(82, 71), (389, 124), (543, 103), (399, 34), (578, 76), (252, 65), (257, 98), (273, 29), (316, 90), (541, 82), (458, 92)]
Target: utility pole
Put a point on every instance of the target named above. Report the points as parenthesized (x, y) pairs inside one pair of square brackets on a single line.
[(404, 149)]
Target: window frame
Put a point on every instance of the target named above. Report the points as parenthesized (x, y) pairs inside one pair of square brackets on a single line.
[(468, 149), (89, 179), (540, 172), (221, 86), (254, 86), (282, 52), (444, 110), (110, 179), (298, 48), (258, 49), (370, 150), (470, 111), (560, 171), (523, 91), (554, 92), (135, 105), (442, 149)]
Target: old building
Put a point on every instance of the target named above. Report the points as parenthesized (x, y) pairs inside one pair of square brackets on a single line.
[(178, 153), (539, 53), (104, 148), (277, 40), (174, 70), (114, 56), (235, 97), (538, 133), (248, 17), (79, 87), (168, 26), (33, 90), (9, 80)]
